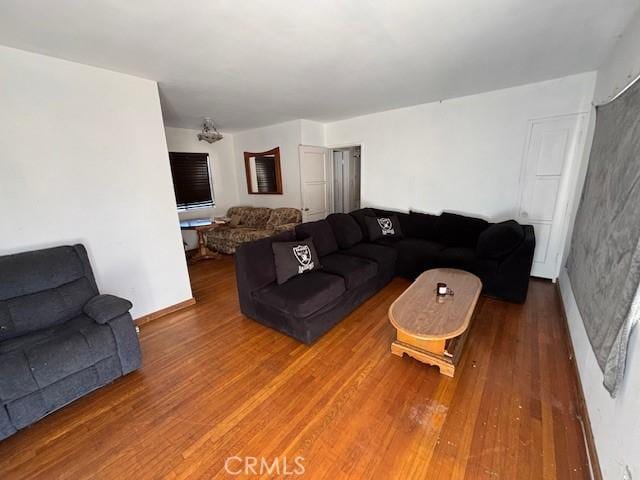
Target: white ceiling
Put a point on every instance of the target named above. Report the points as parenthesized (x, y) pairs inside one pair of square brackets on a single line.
[(249, 63)]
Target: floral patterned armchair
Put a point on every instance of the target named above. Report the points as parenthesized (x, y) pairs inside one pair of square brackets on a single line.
[(250, 223)]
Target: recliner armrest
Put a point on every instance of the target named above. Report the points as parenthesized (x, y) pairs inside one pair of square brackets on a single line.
[(103, 308)]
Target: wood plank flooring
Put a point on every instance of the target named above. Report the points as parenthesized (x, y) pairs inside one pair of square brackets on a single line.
[(215, 384)]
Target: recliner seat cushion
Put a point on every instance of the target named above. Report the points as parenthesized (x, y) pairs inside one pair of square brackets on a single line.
[(34, 361), (500, 239), (354, 270), (455, 230), (302, 295), (321, 234), (345, 229)]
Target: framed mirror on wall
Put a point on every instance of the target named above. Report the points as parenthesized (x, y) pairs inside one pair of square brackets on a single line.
[(263, 172)]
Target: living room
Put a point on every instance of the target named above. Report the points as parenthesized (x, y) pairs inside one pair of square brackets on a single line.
[(496, 150)]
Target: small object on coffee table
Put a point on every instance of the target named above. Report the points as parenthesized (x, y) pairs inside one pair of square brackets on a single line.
[(432, 328)]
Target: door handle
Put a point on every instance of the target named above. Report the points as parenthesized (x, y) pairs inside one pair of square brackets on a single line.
[(306, 209), (524, 214)]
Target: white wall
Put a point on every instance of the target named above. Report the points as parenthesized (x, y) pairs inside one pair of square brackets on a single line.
[(459, 155), (312, 133), (615, 421), (622, 65), (223, 173), (84, 159), (287, 136)]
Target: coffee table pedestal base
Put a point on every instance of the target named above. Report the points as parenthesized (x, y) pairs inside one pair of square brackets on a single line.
[(443, 354)]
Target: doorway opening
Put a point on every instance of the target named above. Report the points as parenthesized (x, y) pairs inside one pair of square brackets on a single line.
[(346, 178)]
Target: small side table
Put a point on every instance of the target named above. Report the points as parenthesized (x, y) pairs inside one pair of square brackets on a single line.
[(200, 225)]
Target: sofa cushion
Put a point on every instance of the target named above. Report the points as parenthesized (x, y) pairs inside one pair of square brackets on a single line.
[(457, 257), (500, 239), (252, 217), (294, 258), (322, 235), (345, 229), (455, 230), (237, 235), (255, 267), (383, 255), (303, 295), (283, 216), (354, 270), (234, 220), (359, 216), (383, 227), (416, 255), (423, 225)]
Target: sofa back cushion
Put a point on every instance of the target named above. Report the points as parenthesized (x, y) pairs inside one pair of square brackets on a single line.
[(252, 217), (499, 240), (283, 216), (453, 230), (43, 288), (322, 235), (255, 267), (423, 225), (360, 216), (345, 229)]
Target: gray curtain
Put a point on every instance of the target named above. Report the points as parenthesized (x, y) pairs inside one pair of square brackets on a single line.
[(604, 264)]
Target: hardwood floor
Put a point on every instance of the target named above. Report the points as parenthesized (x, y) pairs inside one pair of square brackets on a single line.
[(215, 384)]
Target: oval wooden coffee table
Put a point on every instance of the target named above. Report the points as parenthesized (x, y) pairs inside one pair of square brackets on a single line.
[(433, 329)]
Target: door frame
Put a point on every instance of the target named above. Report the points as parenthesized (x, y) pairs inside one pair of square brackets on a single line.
[(341, 146), (569, 178)]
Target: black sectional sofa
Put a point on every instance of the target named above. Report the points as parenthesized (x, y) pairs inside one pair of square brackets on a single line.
[(59, 338), (353, 267)]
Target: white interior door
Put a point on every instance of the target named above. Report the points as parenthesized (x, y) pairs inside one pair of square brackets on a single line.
[(550, 161), (315, 182)]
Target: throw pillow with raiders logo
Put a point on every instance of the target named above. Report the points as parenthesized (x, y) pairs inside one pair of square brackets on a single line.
[(294, 258), (383, 227)]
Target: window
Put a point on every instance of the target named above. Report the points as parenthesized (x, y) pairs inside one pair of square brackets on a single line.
[(191, 180), (266, 174)]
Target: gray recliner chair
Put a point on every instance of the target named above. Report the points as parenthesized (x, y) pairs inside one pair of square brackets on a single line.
[(59, 338)]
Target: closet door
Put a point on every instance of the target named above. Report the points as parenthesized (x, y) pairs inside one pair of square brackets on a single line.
[(550, 161)]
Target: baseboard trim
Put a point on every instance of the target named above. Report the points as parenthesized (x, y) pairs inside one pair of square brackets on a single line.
[(150, 317), (582, 404)]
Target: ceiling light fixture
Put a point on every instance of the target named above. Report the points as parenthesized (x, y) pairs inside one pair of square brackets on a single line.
[(209, 132)]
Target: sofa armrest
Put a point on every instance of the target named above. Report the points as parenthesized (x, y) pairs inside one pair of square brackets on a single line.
[(103, 308), (284, 227), (515, 269)]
